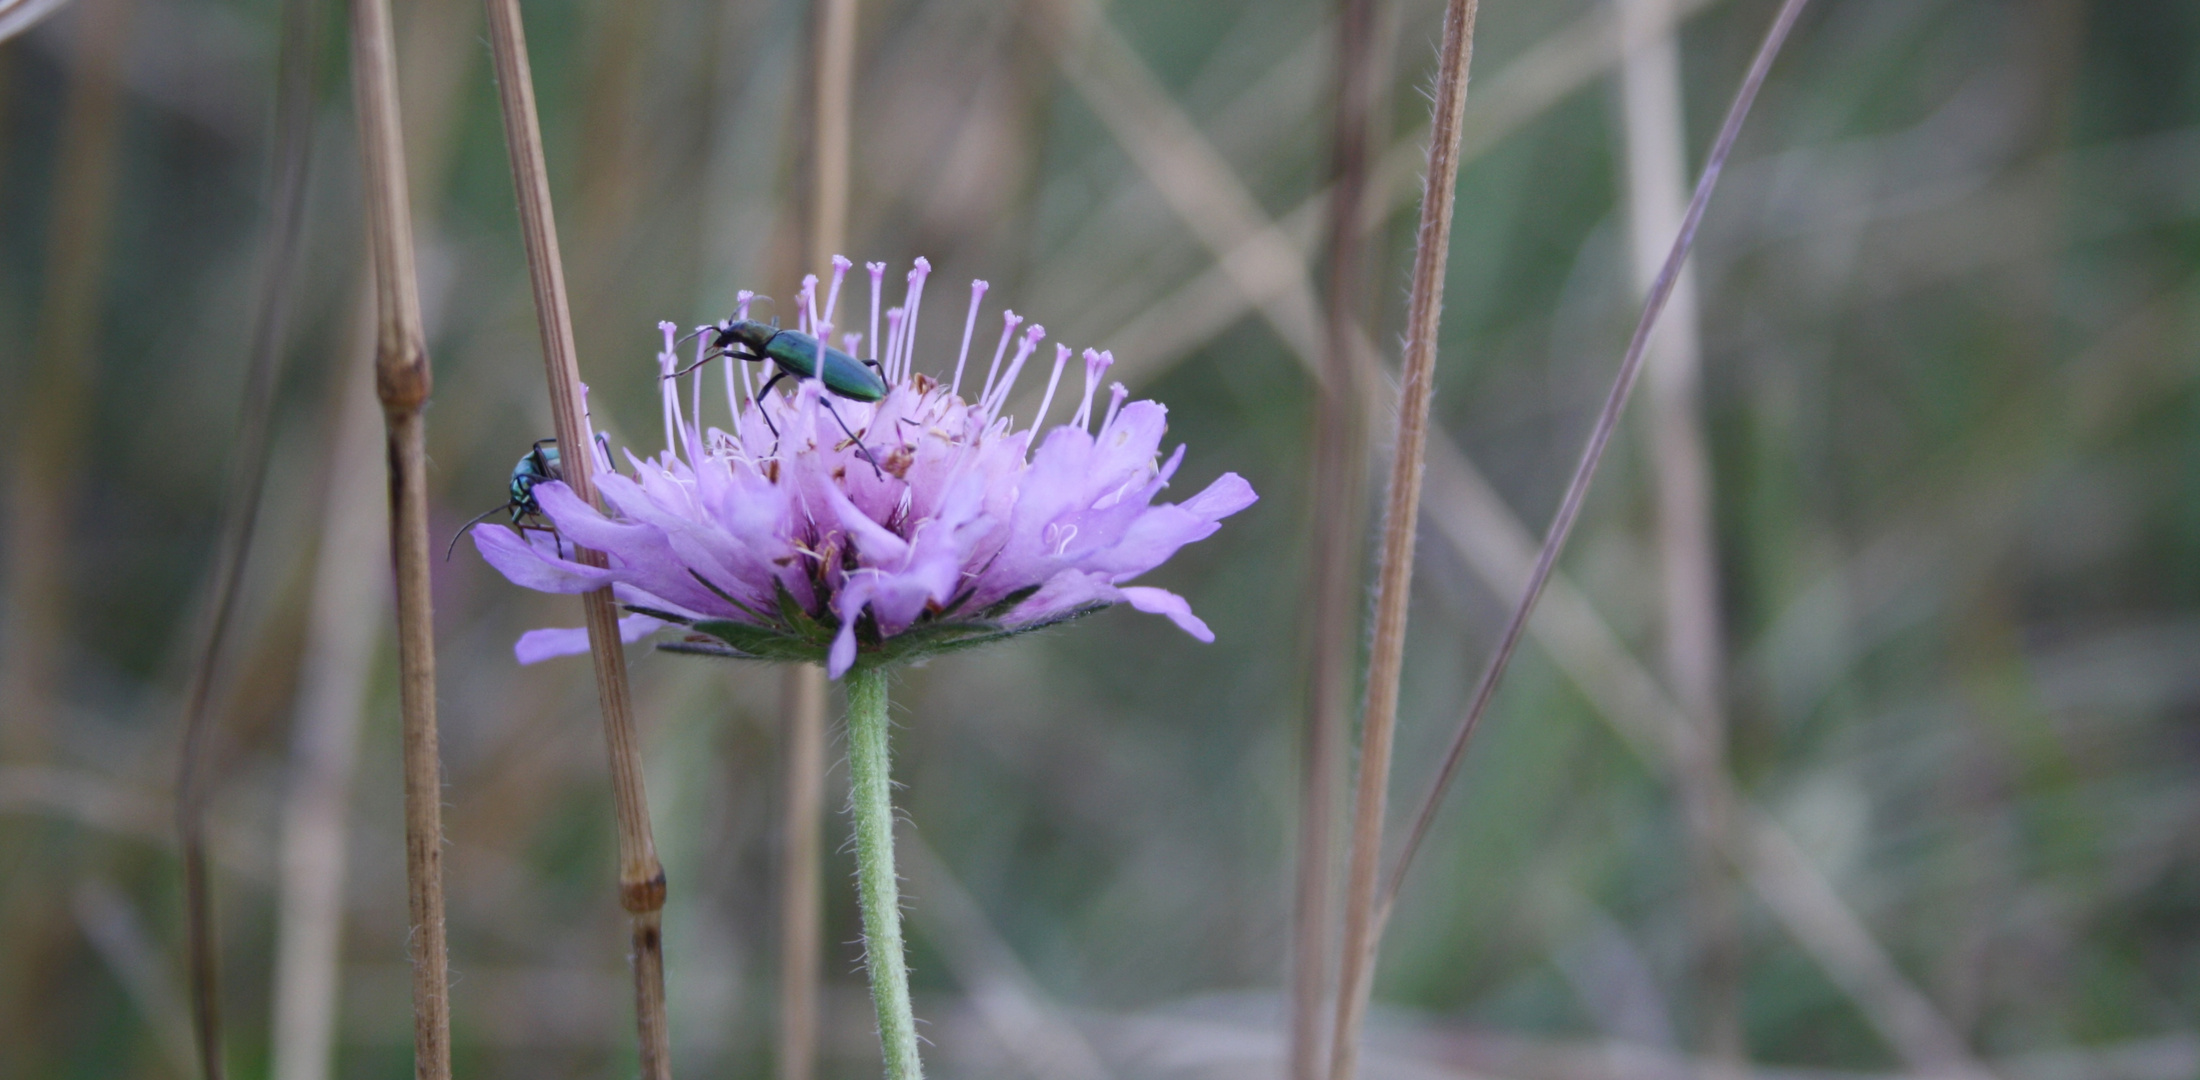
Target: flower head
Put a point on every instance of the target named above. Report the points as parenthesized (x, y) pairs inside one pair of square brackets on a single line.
[(818, 527)]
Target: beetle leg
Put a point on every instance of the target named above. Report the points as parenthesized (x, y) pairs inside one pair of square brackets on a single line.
[(860, 448), (766, 413)]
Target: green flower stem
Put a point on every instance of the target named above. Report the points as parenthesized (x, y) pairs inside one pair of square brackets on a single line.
[(875, 883)]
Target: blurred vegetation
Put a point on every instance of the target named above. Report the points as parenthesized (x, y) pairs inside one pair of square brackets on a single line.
[(1950, 303)]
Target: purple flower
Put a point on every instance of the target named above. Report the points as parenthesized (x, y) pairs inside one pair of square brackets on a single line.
[(820, 528)]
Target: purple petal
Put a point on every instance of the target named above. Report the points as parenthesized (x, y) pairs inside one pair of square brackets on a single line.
[(535, 646), (1163, 602), (528, 568)]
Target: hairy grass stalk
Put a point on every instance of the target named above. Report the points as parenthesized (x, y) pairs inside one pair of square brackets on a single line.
[(1577, 489), (1340, 464), (1401, 518), (641, 876), (247, 482), (802, 695), (403, 382)]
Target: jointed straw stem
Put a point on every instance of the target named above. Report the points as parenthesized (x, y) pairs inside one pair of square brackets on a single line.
[(1400, 519), (641, 876), (871, 802), (402, 380)]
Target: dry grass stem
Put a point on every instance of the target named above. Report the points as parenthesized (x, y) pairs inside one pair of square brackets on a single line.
[(641, 876), (42, 465), (247, 481), (1695, 651), (1332, 603), (1401, 518), (1484, 532), (402, 382), (1577, 489), (801, 899), (1251, 273), (802, 687), (346, 614)]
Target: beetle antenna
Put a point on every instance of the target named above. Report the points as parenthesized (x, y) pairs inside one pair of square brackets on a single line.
[(483, 516)]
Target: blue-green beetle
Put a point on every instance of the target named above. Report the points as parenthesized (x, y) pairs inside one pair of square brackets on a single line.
[(804, 357), (538, 466)]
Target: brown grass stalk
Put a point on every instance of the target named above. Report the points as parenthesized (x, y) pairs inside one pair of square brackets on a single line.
[(802, 694), (402, 382), (1401, 518), (294, 101), (1333, 596), (347, 613), (641, 876), (1577, 489)]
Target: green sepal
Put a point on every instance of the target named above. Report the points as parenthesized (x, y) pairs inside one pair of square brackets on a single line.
[(761, 642)]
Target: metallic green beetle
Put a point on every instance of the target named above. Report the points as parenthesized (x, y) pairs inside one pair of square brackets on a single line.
[(798, 354), (538, 466), (804, 357)]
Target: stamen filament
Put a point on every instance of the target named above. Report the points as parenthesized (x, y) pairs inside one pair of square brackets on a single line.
[(970, 324)]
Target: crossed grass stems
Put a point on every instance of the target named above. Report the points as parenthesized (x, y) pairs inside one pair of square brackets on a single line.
[(1121, 88)]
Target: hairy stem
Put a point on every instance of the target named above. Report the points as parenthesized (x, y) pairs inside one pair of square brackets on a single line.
[(1401, 516), (871, 803)]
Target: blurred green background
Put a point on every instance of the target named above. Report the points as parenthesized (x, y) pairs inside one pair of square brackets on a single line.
[(1949, 304)]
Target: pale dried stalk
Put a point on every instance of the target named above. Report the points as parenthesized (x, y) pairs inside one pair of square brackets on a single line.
[(1332, 600), (1695, 652), (247, 482), (402, 381), (802, 701), (641, 876), (1577, 489), (343, 626), (1401, 518), (42, 462), (802, 693)]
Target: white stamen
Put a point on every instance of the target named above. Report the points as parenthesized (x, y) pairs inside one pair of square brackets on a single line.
[(1116, 394), (1009, 322), (1024, 350), (878, 281), (1096, 363), (743, 297), (840, 270), (849, 343), (897, 327), (809, 304), (588, 431), (1061, 360), (733, 397), (970, 323), (668, 361), (911, 302)]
